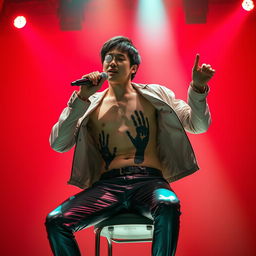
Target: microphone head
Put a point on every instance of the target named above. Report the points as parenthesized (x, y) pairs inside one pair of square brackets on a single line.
[(104, 75)]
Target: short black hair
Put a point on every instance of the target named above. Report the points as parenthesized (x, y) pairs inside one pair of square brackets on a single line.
[(123, 44)]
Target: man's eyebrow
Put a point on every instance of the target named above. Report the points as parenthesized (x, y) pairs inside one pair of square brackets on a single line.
[(116, 54)]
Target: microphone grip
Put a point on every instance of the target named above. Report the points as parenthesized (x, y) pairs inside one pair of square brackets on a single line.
[(86, 81)]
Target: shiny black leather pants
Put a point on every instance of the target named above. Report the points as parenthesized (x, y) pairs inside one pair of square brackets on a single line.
[(148, 195)]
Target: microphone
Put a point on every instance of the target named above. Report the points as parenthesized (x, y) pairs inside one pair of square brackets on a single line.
[(87, 82)]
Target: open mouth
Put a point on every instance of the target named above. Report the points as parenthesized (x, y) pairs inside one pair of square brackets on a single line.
[(112, 71)]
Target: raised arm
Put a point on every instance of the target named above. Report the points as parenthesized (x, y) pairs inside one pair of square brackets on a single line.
[(194, 115), (197, 119)]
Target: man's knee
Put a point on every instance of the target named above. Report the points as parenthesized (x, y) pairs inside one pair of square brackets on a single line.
[(54, 218), (163, 195), (167, 203)]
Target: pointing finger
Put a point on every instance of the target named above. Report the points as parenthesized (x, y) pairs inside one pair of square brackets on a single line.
[(196, 62)]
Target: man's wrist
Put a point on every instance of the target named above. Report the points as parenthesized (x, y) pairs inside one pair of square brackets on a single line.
[(82, 97), (199, 88)]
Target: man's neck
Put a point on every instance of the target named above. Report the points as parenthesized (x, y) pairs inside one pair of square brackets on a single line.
[(119, 91)]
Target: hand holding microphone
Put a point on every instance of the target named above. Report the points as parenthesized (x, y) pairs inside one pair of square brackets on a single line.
[(90, 83), (90, 79)]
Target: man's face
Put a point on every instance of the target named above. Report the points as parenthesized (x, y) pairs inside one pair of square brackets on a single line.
[(117, 65)]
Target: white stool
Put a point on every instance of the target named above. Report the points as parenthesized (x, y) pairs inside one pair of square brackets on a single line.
[(123, 228)]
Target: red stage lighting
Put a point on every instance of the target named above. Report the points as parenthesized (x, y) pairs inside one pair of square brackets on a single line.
[(248, 5), (19, 22)]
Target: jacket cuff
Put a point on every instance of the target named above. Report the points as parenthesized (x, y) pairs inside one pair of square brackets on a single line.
[(76, 102), (196, 95)]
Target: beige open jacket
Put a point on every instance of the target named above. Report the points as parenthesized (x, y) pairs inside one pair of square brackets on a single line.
[(174, 149)]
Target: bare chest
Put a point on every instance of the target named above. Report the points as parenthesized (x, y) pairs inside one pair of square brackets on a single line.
[(119, 117), (125, 132)]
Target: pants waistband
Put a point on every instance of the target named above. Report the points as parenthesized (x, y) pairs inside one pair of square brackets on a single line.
[(130, 170)]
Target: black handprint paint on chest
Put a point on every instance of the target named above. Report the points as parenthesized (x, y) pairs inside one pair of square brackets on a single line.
[(104, 149), (140, 141)]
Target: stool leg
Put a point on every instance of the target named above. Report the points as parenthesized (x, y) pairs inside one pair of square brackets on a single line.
[(97, 242), (109, 247)]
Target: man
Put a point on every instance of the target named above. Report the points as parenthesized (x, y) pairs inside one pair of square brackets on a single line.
[(130, 143)]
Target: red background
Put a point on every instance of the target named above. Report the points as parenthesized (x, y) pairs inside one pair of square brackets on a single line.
[(37, 65)]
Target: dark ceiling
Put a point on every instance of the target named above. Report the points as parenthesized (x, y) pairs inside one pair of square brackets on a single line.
[(70, 12)]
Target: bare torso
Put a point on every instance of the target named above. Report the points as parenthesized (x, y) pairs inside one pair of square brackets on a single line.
[(125, 132)]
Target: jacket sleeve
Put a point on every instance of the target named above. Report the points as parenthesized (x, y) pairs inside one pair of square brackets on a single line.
[(194, 115), (63, 134)]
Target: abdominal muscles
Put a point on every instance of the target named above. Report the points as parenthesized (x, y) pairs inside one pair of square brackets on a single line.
[(127, 138)]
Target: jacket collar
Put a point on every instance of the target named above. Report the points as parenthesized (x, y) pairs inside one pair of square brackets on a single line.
[(143, 89)]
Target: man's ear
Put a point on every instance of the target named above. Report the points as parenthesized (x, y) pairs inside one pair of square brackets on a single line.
[(134, 68)]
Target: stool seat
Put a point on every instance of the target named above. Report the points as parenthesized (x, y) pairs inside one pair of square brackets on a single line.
[(124, 228)]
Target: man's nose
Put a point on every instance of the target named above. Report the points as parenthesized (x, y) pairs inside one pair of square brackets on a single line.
[(112, 62)]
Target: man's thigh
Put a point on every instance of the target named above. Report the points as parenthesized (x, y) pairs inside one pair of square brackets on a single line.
[(151, 194), (88, 207)]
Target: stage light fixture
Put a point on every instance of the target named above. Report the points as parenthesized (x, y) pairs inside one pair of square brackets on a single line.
[(195, 11), (71, 14), (19, 22), (248, 5)]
